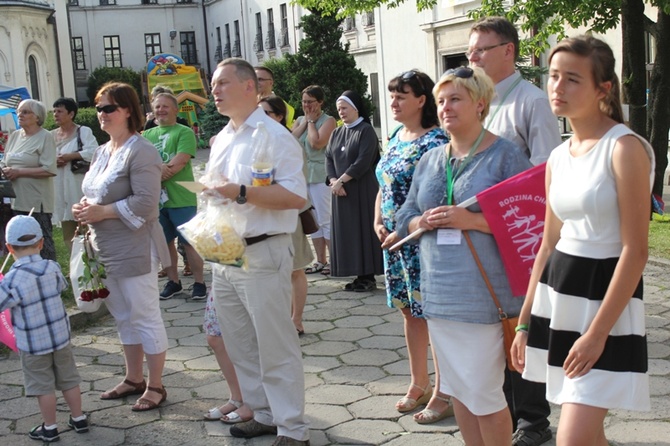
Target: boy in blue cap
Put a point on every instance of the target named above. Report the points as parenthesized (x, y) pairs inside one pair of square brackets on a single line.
[(32, 289)]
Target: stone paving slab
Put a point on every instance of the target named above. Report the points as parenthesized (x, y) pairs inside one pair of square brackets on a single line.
[(356, 368)]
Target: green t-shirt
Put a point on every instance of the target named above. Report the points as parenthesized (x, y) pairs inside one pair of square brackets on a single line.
[(169, 141)]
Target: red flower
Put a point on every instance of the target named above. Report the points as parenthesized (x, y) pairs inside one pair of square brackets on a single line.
[(86, 296), (103, 293)]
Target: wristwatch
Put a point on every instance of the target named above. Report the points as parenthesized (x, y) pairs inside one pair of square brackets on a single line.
[(310, 121), (242, 197)]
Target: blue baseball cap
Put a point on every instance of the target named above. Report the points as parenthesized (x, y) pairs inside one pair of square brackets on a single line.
[(23, 230)]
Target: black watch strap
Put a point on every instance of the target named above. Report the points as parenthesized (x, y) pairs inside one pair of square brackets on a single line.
[(242, 197)]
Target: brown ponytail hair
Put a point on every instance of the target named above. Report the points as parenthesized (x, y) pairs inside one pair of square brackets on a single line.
[(602, 63)]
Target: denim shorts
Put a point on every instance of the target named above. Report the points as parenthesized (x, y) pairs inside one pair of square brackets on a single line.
[(171, 218)]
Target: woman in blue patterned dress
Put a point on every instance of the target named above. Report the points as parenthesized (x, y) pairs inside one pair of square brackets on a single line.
[(413, 106)]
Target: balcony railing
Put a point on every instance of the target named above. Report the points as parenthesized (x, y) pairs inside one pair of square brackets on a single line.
[(237, 49), (282, 41), (218, 54), (270, 42), (258, 43), (226, 51), (368, 19)]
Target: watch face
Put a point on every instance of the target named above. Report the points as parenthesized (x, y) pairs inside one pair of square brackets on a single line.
[(242, 197)]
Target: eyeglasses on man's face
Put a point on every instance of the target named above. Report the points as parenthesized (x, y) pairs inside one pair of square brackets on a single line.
[(308, 101), (480, 51)]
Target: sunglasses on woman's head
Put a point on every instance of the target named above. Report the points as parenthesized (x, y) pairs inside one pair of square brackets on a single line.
[(462, 72), (109, 108), (409, 75)]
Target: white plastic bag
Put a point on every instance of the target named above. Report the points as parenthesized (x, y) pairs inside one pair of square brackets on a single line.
[(77, 267), (212, 234)]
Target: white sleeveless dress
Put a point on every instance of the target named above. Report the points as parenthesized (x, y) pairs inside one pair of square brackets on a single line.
[(574, 282)]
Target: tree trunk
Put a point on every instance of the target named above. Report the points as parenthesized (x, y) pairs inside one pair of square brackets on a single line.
[(634, 73), (659, 101)]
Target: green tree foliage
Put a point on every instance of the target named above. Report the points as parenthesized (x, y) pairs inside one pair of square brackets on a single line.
[(321, 59), (544, 20), (210, 120), (101, 75)]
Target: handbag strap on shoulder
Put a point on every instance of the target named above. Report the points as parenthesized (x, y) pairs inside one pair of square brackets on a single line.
[(80, 145), (501, 313)]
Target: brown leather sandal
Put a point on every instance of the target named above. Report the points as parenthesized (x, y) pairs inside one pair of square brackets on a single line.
[(150, 405), (137, 389)]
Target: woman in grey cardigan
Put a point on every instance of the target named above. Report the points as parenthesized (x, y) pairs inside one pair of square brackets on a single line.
[(120, 204)]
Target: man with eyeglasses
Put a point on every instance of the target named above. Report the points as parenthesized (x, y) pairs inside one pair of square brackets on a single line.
[(521, 113), (266, 80)]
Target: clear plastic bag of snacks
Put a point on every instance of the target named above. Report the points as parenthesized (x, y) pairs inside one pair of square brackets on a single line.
[(211, 233)]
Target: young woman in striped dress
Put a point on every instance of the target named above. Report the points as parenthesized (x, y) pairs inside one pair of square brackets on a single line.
[(581, 329)]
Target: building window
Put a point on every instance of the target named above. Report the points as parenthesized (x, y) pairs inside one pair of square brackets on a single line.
[(34, 82), (152, 45), (73, 2), (218, 54), (112, 46), (188, 50), (374, 93), (369, 18), (184, 1), (237, 46), (149, 2), (226, 49), (78, 53), (258, 41), (107, 2), (350, 23), (283, 33), (270, 41)]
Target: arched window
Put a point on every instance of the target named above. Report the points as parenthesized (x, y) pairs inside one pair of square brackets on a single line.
[(34, 82)]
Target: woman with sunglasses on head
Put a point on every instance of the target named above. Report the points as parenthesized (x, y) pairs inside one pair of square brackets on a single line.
[(584, 306), (30, 164), (120, 206), (313, 131), (413, 106), (351, 158), (463, 322)]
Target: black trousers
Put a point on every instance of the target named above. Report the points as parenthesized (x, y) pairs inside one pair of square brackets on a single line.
[(527, 402)]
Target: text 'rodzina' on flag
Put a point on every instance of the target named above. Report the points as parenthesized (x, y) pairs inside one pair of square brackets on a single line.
[(514, 210)]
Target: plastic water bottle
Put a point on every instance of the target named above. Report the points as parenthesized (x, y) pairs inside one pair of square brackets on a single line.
[(262, 163)]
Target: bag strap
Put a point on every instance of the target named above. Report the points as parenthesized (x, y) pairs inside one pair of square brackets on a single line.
[(501, 314), (80, 144)]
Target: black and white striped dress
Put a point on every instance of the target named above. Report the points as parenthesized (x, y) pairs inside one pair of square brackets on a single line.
[(574, 282)]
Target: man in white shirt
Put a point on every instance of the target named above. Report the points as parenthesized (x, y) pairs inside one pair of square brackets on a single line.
[(521, 113), (254, 304)]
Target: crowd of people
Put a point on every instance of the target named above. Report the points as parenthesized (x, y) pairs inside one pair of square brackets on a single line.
[(477, 126)]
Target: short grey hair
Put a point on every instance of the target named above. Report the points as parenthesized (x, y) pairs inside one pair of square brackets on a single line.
[(37, 108), (168, 96), (243, 69)]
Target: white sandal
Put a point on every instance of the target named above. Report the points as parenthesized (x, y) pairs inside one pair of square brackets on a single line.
[(215, 414)]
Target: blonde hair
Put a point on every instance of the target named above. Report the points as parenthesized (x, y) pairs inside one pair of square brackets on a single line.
[(479, 86)]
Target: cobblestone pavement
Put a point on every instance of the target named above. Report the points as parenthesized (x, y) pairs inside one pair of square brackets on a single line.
[(355, 368)]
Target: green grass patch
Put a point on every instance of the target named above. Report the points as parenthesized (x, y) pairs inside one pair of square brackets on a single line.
[(659, 239)]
